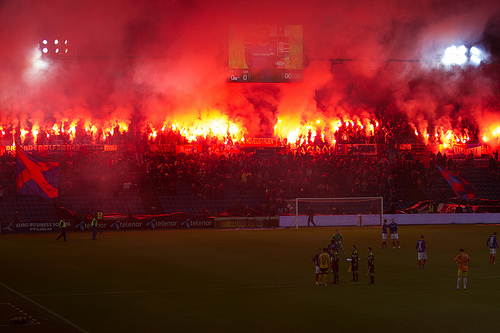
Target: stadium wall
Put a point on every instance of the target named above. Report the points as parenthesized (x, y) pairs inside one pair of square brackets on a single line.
[(402, 219)]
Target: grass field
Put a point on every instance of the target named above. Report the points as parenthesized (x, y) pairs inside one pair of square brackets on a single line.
[(245, 281)]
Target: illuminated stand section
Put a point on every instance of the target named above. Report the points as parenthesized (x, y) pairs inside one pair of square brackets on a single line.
[(362, 211)]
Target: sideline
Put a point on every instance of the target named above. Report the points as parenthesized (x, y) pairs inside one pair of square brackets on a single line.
[(43, 307)]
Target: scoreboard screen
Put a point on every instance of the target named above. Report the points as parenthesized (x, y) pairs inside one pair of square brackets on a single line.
[(266, 53)]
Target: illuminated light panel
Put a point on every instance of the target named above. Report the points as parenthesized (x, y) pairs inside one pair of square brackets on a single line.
[(454, 55)]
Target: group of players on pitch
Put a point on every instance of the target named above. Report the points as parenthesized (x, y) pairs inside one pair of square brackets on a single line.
[(327, 259)]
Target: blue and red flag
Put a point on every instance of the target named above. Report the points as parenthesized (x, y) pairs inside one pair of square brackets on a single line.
[(463, 189), (35, 176)]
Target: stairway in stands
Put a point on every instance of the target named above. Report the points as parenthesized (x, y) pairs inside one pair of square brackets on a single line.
[(147, 194)]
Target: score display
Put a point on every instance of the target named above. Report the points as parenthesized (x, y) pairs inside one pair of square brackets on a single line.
[(266, 53)]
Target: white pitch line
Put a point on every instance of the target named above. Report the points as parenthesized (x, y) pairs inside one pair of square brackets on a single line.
[(44, 308)]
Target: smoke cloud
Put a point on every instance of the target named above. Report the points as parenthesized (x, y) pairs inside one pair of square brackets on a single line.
[(153, 63)]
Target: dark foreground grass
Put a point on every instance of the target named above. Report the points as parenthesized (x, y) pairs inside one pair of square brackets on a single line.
[(245, 281)]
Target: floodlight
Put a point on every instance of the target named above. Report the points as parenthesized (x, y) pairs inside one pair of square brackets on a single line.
[(461, 57), (45, 50), (56, 41), (475, 60), (44, 42), (475, 51), (56, 50)]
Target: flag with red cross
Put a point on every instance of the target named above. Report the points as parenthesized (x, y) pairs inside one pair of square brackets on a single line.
[(35, 176)]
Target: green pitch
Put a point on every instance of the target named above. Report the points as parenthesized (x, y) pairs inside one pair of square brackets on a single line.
[(245, 281)]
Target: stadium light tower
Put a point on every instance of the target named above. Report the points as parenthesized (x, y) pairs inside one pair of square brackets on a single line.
[(55, 46), (463, 56)]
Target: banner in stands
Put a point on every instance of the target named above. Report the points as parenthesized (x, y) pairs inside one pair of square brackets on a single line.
[(246, 222), (262, 142), (32, 226), (356, 149), (189, 149), (112, 222), (63, 149), (466, 149)]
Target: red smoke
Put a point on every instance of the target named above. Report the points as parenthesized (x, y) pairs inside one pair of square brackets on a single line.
[(156, 63)]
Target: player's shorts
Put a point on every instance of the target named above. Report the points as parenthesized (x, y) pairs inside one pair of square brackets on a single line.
[(323, 271), (493, 250), (335, 267), (317, 269), (384, 236), (422, 255), (395, 236), (354, 267), (371, 269), (462, 273)]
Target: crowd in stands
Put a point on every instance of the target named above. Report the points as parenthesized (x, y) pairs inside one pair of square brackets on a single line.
[(277, 178)]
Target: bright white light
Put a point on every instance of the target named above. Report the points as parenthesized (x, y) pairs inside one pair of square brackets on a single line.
[(475, 51), (475, 60), (56, 41), (66, 42), (455, 55), (45, 50), (56, 50), (44, 42)]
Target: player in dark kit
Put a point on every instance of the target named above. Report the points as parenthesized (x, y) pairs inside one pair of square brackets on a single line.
[(354, 263), (493, 245), (384, 234), (421, 252), (394, 233), (334, 261), (310, 216), (371, 266), (316, 262)]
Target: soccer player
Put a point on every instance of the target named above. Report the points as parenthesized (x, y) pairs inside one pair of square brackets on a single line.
[(334, 262), (324, 265), (338, 238), (462, 261), (493, 245), (394, 233), (371, 266), (310, 216), (421, 252), (354, 263), (316, 262), (384, 234)]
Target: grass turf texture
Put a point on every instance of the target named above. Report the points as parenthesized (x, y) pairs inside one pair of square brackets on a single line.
[(247, 281)]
